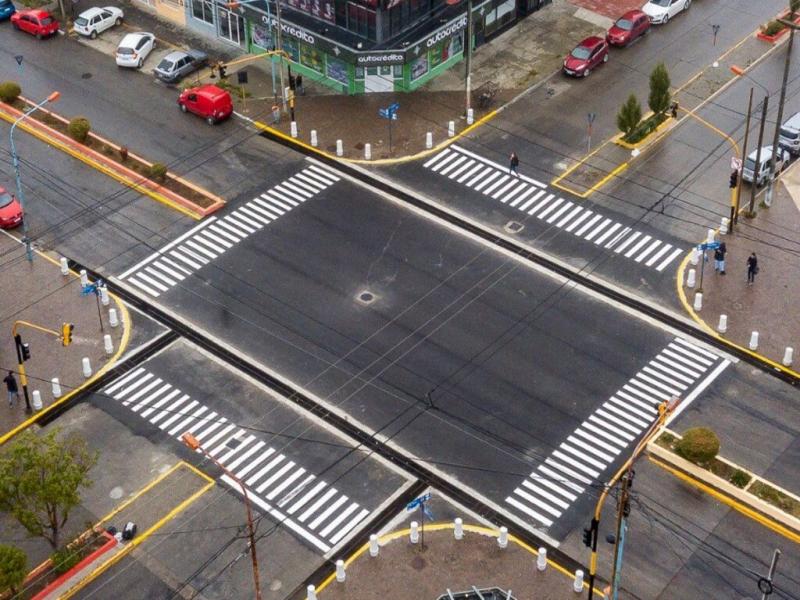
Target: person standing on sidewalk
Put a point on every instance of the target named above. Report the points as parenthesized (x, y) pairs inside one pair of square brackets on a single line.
[(513, 164), (11, 386), (719, 258), (752, 268)]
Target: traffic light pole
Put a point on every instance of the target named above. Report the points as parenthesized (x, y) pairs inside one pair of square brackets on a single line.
[(23, 354), (22, 377)]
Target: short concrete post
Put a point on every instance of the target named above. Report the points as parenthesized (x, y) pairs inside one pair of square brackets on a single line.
[(414, 532), (458, 529), (340, 572), (698, 301), (56, 387), (711, 235), (314, 140), (36, 400), (104, 296), (723, 226), (112, 317), (374, 547), (787, 356), (64, 266), (502, 539), (577, 585), (311, 593), (451, 128), (368, 151), (293, 128), (722, 327), (541, 559), (470, 116), (753, 340), (84, 278), (694, 258), (429, 140), (108, 344), (691, 278), (339, 148), (87, 367)]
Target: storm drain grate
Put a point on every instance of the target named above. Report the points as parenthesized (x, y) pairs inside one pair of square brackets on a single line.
[(514, 227), (366, 297)]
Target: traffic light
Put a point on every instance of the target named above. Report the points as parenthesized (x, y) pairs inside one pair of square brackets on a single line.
[(587, 537), (26, 351), (66, 334), (734, 179)]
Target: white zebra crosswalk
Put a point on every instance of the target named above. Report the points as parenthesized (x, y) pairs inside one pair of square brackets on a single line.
[(531, 197), (579, 461), (294, 496), (196, 248)]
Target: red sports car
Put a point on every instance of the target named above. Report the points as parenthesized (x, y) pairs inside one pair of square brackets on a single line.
[(35, 21), (590, 53), (628, 27), (10, 210)]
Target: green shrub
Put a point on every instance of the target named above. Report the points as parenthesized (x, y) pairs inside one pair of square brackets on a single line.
[(65, 559), (157, 171), (772, 27), (79, 129), (699, 445), (740, 479), (13, 568), (9, 91)]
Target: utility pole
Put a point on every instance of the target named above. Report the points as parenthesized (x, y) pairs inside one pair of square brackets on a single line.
[(623, 510), (758, 155), (279, 38), (468, 57), (779, 119), (735, 216)]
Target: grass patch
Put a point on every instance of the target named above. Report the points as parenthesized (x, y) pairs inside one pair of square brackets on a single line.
[(645, 128), (34, 3), (775, 497)]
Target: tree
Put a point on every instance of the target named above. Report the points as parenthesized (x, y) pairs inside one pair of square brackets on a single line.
[(13, 568), (794, 6), (629, 115), (660, 99), (40, 477)]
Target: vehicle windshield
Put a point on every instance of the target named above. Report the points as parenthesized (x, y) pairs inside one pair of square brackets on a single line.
[(581, 53), (165, 65), (5, 199), (663, 3), (750, 164), (790, 134), (81, 21), (624, 24), (46, 21)]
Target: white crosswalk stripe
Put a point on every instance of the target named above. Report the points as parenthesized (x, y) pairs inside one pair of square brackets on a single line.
[(317, 511), (196, 248), (602, 438), (529, 196)]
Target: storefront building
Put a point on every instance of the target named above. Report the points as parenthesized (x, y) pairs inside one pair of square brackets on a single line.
[(359, 46)]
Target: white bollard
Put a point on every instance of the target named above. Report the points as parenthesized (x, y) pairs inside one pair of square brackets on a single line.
[(293, 128), (577, 585), (429, 140), (723, 324), (109, 345), (339, 148), (374, 547), (698, 301), (311, 593), (87, 367), (691, 278), (451, 128), (753, 340), (368, 151), (104, 296), (694, 258), (64, 266), (711, 235), (314, 141), (470, 116), (502, 539), (56, 387), (36, 401), (541, 559), (84, 278), (112, 317), (414, 532), (723, 226), (787, 356), (458, 529), (340, 572)]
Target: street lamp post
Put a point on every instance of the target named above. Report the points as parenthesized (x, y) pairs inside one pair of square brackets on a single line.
[(193, 443), (15, 161), (772, 171)]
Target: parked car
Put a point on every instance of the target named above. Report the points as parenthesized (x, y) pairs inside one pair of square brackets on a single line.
[(590, 53), (208, 101), (789, 135), (134, 49), (7, 9), (629, 27), (10, 210), (96, 20), (177, 65), (764, 164), (661, 11), (35, 21)]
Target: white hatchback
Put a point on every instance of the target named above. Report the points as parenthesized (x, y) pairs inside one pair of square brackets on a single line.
[(96, 20), (134, 49), (661, 11)]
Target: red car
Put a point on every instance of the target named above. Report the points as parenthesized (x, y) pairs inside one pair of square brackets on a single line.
[(590, 53), (208, 101), (628, 28), (35, 21), (10, 210)]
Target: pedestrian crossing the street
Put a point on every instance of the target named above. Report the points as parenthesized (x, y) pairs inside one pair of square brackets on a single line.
[(531, 197), (682, 369), (291, 494), (214, 236)]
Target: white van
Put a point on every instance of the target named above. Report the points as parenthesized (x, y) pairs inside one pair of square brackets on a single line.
[(789, 136), (764, 164)]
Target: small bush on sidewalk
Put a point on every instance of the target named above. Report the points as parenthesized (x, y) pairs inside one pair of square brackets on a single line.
[(698, 445), (13, 568), (9, 91), (158, 171), (65, 559), (772, 27), (79, 129)]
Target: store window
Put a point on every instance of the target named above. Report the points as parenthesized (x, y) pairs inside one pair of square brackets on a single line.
[(419, 67), (503, 14), (361, 20), (290, 46), (312, 58), (337, 70), (261, 37), (203, 10), (445, 50)]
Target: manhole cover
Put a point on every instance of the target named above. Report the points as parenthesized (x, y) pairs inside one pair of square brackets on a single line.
[(366, 297), (115, 493), (86, 76), (514, 227)]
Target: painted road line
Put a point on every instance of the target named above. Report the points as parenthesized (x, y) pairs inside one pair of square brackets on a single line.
[(491, 163)]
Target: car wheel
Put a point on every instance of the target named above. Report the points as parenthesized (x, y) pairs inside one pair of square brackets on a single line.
[(586, 72), (666, 19), (15, 26), (118, 22), (686, 6), (93, 35), (139, 64), (211, 120), (39, 36), (183, 108), (605, 58)]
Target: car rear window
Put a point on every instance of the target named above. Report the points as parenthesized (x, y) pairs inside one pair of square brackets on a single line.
[(625, 24), (790, 134), (124, 50), (165, 65), (5, 199), (581, 52), (81, 21), (46, 21)]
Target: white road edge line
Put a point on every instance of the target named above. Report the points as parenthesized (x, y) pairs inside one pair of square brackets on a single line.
[(698, 390)]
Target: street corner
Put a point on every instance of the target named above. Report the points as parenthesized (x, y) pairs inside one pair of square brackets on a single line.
[(61, 334), (594, 170)]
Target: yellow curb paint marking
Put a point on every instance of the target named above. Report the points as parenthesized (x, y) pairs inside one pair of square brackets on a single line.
[(735, 504), (445, 526), (141, 537), (102, 168)]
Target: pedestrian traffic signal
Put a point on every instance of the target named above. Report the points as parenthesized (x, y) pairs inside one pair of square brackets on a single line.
[(734, 180), (66, 334), (26, 351), (587, 537)]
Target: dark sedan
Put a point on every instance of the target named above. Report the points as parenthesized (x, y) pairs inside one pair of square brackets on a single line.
[(177, 65)]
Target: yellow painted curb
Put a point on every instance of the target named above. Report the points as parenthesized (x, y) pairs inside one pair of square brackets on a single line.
[(444, 526), (648, 139)]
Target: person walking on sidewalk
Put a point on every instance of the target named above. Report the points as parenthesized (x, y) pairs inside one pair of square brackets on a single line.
[(752, 268), (513, 164), (719, 258), (11, 386)]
